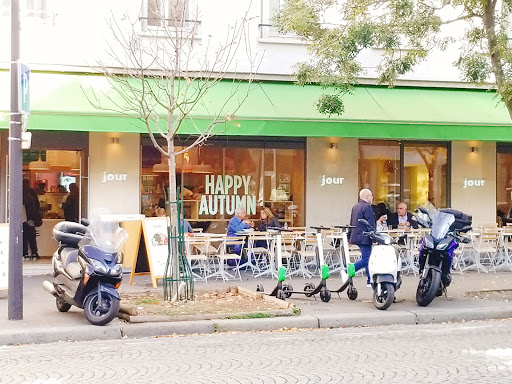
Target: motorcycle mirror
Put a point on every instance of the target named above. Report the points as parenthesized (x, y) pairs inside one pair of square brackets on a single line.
[(85, 222), (365, 222)]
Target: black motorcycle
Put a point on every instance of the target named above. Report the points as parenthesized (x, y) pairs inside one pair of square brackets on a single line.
[(436, 251), (88, 268)]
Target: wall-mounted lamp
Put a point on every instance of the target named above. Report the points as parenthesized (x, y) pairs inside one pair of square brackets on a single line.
[(334, 145), (115, 140), (474, 149)]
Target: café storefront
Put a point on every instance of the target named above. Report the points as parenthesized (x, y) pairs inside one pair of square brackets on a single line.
[(410, 144)]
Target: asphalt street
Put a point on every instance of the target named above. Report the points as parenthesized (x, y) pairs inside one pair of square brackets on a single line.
[(435, 353)]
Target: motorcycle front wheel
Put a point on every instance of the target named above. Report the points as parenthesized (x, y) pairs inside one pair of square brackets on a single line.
[(102, 314), (385, 299), (427, 287)]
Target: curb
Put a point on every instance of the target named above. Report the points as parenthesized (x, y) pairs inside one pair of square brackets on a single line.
[(120, 330)]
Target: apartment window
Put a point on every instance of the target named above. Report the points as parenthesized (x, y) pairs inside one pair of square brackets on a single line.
[(267, 29), (30, 8), (163, 15)]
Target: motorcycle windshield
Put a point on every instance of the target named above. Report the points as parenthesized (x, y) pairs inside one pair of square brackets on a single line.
[(441, 224), (106, 236)]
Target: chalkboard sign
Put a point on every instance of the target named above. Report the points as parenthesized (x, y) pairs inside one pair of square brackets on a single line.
[(4, 256)]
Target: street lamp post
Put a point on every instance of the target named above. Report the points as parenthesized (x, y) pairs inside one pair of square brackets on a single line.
[(15, 301)]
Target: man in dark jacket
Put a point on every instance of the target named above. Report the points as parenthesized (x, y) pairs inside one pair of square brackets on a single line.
[(402, 218), (362, 210)]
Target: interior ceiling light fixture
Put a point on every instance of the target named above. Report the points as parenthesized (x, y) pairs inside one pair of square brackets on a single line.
[(39, 165), (202, 168), (163, 166)]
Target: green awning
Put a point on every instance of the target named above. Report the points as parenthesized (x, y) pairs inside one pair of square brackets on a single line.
[(60, 102)]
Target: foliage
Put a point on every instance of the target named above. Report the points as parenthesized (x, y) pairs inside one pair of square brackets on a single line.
[(403, 32)]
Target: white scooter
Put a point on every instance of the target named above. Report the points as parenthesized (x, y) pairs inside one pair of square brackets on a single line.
[(384, 268)]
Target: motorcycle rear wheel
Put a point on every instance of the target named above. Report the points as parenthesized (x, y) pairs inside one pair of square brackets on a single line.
[(427, 287), (386, 297), (97, 315)]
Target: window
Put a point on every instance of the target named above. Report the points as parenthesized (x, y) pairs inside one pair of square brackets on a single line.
[(504, 183), (404, 171), (267, 30), (379, 170), (219, 176), (30, 8), (165, 14)]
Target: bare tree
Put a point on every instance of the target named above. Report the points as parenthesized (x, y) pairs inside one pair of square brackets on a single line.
[(163, 75)]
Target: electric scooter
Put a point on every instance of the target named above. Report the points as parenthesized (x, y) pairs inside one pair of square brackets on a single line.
[(310, 289), (383, 267), (347, 282), (281, 291), (87, 268)]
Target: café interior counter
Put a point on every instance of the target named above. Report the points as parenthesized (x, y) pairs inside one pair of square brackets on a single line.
[(46, 244)]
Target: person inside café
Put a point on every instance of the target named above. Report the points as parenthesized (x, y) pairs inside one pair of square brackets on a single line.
[(401, 218), (267, 219), (71, 206), (237, 224)]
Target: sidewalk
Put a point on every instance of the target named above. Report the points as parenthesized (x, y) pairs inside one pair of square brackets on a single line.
[(42, 323)]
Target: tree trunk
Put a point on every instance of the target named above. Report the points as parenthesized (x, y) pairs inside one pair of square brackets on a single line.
[(492, 43), (173, 214)]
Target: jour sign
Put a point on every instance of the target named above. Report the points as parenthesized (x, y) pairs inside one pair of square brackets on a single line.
[(470, 183), (111, 177), (328, 180)]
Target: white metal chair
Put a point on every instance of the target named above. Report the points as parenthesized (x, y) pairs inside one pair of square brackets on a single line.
[(225, 253), (197, 258)]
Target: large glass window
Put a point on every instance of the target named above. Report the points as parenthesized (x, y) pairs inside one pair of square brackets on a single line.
[(220, 176), (404, 171), (50, 173), (379, 170), (504, 183), (425, 175)]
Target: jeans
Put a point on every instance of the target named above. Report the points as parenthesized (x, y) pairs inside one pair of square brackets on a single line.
[(366, 250), (29, 239)]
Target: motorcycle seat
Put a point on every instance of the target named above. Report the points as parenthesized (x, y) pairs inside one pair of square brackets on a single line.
[(69, 257)]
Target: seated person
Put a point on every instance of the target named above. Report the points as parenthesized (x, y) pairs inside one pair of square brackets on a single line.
[(160, 209), (237, 224), (186, 227), (267, 220), (402, 218)]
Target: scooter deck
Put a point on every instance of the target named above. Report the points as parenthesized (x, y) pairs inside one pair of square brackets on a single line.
[(313, 292), (344, 286)]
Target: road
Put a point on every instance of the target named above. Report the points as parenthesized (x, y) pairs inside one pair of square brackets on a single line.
[(479, 352)]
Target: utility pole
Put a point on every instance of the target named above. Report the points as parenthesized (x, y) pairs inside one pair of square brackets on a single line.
[(15, 301)]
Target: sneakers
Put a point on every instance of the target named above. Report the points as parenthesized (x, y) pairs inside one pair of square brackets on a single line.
[(368, 285)]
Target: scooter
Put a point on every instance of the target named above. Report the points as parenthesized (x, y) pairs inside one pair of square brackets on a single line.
[(309, 288), (87, 268), (347, 282), (383, 267), (281, 290)]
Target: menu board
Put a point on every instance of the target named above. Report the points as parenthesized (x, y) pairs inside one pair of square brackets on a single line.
[(153, 250), (4, 255)]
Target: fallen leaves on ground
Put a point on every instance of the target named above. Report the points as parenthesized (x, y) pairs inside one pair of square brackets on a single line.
[(203, 303)]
